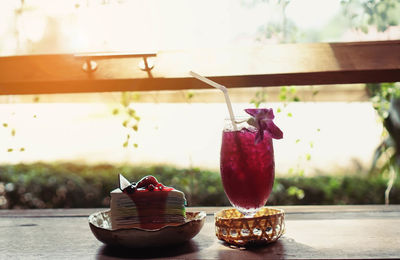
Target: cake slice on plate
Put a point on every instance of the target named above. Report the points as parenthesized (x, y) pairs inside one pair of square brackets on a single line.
[(146, 204)]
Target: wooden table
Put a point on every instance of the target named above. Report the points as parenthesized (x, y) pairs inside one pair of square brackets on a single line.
[(311, 232)]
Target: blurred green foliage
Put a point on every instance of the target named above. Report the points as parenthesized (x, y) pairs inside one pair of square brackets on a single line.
[(71, 185), (386, 101), (130, 117), (363, 13)]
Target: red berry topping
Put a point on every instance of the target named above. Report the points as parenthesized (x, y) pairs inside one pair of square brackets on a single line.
[(146, 181), (160, 186), (150, 187), (130, 189)]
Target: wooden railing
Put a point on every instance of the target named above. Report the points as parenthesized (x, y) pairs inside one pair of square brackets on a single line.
[(271, 65)]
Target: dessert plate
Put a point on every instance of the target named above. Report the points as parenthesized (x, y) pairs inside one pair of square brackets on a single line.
[(100, 224)]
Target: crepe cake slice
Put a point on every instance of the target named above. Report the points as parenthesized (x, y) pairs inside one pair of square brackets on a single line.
[(146, 204)]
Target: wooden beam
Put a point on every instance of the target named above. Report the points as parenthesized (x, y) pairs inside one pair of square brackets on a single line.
[(270, 65)]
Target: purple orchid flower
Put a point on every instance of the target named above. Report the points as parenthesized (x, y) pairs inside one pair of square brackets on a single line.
[(262, 120)]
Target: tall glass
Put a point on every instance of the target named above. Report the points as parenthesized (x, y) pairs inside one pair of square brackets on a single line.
[(247, 169)]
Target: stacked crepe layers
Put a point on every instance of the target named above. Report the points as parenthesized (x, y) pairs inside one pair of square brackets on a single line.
[(147, 209)]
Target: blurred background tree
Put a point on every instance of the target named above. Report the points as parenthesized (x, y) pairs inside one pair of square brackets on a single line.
[(363, 15)]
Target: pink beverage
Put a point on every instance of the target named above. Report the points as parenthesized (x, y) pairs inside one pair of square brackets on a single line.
[(247, 169)]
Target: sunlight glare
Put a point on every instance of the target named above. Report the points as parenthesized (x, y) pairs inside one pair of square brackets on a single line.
[(31, 26), (312, 13)]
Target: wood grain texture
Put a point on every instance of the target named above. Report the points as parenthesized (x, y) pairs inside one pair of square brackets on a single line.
[(316, 232), (270, 65), (299, 210)]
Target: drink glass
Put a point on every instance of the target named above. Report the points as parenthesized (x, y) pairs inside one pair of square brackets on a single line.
[(247, 169)]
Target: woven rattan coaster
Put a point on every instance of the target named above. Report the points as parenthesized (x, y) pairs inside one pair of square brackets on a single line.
[(266, 226)]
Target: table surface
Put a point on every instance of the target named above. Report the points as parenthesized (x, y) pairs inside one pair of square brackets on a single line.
[(371, 231)]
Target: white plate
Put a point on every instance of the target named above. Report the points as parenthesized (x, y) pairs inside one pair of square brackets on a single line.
[(100, 224)]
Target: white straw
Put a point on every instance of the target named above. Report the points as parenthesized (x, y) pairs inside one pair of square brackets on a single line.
[(223, 89)]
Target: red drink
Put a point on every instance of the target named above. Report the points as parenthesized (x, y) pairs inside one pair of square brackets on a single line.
[(247, 169)]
